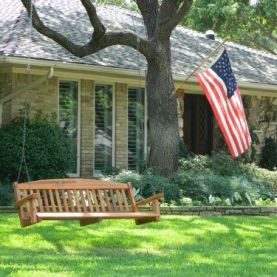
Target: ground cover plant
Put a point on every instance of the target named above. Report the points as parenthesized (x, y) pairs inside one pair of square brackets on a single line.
[(175, 246), (208, 180)]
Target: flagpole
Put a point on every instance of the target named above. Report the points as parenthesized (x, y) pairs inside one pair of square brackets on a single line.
[(202, 63)]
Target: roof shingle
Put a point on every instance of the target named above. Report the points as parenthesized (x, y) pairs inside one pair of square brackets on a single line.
[(69, 17)]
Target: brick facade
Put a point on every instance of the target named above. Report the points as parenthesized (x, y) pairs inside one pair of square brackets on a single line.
[(45, 99), (87, 128), (121, 125)]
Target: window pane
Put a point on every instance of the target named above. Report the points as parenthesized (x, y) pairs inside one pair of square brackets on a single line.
[(136, 130), (68, 116), (103, 128)]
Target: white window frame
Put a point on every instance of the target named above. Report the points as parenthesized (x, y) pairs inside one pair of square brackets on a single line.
[(78, 121), (145, 119), (96, 83)]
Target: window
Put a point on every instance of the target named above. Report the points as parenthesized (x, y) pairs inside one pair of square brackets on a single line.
[(68, 118), (136, 128), (103, 159)]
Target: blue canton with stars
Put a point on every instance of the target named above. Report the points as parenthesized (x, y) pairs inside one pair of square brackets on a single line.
[(222, 68)]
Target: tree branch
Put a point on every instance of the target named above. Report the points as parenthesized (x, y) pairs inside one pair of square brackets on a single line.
[(170, 15), (97, 42), (149, 10), (99, 28)]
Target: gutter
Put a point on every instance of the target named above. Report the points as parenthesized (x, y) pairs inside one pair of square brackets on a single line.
[(30, 86), (121, 71)]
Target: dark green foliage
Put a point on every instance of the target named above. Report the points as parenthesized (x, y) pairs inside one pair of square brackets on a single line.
[(48, 154), (237, 20), (6, 194), (269, 157), (216, 180), (149, 183)]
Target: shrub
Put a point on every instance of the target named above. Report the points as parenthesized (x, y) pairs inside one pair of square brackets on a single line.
[(269, 156), (149, 183), (48, 155), (6, 194)]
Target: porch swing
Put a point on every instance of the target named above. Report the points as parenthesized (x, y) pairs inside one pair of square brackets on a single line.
[(87, 200)]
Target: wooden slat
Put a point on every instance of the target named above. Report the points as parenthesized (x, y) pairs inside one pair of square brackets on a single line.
[(28, 205), (100, 200), (40, 205), (83, 201), (71, 184), (132, 197), (107, 198), (112, 195), (95, 200), (45, 198), (101, 215), (125, 200), (76, 200), (17, 198), (53, 205), (90, 204), (118, 196), (58, 200), (70, 199), (64, 201)]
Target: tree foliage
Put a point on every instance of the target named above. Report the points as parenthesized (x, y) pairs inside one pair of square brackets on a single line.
[(242, 21)]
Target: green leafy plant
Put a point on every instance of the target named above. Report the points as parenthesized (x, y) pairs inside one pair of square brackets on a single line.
[(48, 154)]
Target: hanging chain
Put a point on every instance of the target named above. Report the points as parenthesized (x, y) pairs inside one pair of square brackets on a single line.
[(27, 105)]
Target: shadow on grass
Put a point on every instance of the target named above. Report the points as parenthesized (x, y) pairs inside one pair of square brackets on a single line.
[(210, 246)]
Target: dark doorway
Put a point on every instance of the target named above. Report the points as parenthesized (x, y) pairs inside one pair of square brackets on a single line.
[(198, 124)]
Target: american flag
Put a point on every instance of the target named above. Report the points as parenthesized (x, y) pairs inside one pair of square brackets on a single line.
[(220, 86)]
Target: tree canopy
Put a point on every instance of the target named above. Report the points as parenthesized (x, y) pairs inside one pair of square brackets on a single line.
[(248, 22)]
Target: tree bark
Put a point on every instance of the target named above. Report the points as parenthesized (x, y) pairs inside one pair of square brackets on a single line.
[(163, 133)]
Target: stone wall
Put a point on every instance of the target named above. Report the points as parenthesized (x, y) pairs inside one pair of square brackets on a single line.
[(261, 114), (201, 211)]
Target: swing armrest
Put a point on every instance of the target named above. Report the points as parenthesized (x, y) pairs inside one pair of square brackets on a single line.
[(26, 199), (150, 199)]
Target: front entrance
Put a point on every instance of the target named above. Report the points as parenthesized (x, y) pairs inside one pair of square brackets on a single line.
[(198, 124)]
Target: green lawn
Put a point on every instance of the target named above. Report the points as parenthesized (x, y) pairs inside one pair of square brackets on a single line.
[(176, 246)]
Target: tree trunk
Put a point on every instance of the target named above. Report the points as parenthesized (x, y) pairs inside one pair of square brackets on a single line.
[(163, 133)]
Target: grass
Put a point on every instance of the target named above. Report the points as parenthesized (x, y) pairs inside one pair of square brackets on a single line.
[(176, 246)]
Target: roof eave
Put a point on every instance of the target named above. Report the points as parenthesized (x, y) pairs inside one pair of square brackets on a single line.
[(118, 71)]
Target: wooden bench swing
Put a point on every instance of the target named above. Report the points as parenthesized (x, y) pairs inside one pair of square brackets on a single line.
[(87, 200)]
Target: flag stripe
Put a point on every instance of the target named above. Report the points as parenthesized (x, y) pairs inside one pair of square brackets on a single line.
[(236, 102), (231, 109), (220, 87), (218, 115), (221, 102)]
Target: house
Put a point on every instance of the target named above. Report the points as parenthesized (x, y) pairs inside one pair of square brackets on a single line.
[(100, 100)]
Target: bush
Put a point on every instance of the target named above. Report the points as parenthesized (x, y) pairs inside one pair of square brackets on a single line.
[(221, 176), (149, 183), (205, 180), (269, 156), (6, 194), (48, 155)]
